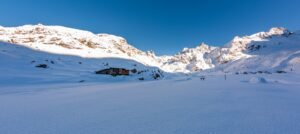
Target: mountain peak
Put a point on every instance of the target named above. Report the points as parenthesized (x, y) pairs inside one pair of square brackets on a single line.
[(203, 44), (278, 31)]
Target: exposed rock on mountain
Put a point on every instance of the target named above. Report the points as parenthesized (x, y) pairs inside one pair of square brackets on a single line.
[(277, 47)]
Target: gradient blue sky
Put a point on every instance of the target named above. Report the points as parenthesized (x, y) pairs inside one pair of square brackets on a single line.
[(165, 26)]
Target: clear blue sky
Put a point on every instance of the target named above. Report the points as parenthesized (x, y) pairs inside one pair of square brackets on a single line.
[(165, 26)]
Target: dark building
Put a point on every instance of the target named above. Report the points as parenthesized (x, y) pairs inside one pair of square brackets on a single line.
[(113, 71)]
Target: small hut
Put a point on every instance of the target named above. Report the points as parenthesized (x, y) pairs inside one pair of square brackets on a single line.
[(113, 71)]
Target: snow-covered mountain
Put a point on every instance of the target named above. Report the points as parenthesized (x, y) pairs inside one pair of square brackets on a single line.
[(68, 41), (275, 49), (263, 49)]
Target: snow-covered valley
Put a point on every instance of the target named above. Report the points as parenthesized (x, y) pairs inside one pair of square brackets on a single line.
[(54, 80)]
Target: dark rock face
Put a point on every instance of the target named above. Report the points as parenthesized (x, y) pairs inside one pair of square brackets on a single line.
[(156, 76), (280, 72), (254, 47), (134, 71), (42, 66), (113, 71)]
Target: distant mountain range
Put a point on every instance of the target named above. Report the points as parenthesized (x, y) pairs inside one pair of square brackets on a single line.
[(277, 49)]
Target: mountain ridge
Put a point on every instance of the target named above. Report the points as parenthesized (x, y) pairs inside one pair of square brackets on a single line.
[(69, 41)]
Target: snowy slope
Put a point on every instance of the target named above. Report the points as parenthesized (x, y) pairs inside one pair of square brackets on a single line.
[(276, 49), (18, 65)]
